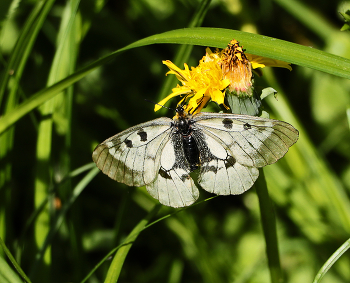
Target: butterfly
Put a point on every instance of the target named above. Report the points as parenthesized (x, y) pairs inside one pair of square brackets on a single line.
[(227, 149)]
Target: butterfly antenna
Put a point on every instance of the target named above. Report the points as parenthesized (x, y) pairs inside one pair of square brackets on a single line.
[(159, 104)]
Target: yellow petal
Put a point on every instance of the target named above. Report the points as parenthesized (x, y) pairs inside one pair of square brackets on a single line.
[(261, 62), (219, 97), (176, 92), (256, 65), (208, 51), (196, 103), (182, 75), (194, 100), (225, 83)]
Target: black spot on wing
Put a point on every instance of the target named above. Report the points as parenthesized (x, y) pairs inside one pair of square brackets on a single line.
[(143, 135), (227, 123), (230, 162), (164, 173), (128, 143), (247, 126)]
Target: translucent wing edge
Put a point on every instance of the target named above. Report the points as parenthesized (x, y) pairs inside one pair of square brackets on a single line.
[(243, 143), (114, 167)]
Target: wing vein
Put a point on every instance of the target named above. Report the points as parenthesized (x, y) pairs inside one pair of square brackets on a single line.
[(255, 149), (267, 139), (177, 189)]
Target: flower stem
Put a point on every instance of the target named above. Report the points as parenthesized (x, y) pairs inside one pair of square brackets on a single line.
[(268, 221)]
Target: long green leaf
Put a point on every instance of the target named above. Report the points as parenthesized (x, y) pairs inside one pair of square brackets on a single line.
[(22, 49), (213, 37), (10, 81), (60, 217), (119, 258), (63, 65), (333, 259), (13, 261), (7, 275)]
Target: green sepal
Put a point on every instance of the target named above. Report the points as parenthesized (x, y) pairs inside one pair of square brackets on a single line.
[(268, 91), (248, 105)]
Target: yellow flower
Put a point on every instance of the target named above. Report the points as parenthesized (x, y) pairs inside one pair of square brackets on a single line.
[(199, 85), (229, 69)]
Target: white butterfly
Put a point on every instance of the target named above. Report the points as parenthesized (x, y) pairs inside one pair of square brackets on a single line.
[(227, 149)]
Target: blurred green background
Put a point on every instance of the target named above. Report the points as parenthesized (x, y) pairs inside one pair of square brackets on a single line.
[(80, 216)]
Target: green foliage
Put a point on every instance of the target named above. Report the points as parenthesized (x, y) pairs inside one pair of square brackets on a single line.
[(74, 73)]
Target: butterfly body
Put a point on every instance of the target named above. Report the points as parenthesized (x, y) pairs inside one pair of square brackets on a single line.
[(227, 149), (183, 124)]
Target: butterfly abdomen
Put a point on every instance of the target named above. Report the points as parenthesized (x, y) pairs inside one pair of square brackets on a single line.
[(190, 148), (191, 151)]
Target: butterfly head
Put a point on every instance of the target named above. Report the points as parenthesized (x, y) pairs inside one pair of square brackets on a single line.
[(180, 110), (181, 113), (182, 120)]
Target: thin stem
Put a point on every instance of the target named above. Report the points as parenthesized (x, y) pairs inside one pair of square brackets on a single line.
[(14, 262), (118, 260), (329, 263), (268, 221)]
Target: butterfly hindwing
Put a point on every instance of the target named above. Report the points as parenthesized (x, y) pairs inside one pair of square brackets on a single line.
[(132, 157), (220, 173), (173, 185)]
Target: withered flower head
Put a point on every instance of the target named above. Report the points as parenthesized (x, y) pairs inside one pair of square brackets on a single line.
[(237, 69)]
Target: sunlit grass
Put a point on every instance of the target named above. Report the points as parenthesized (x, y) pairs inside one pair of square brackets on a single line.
[(66, 224)]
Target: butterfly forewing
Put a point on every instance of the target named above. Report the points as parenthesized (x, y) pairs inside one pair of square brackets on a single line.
[(232, 147), (253, 141), (133, 156)]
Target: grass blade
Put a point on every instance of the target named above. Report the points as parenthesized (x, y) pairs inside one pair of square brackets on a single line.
[(60, 217), (63, 65), (213, 37), (13, 261), (23, 48), (119, 258), (16, 66), (7, 275), (328, 264)]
